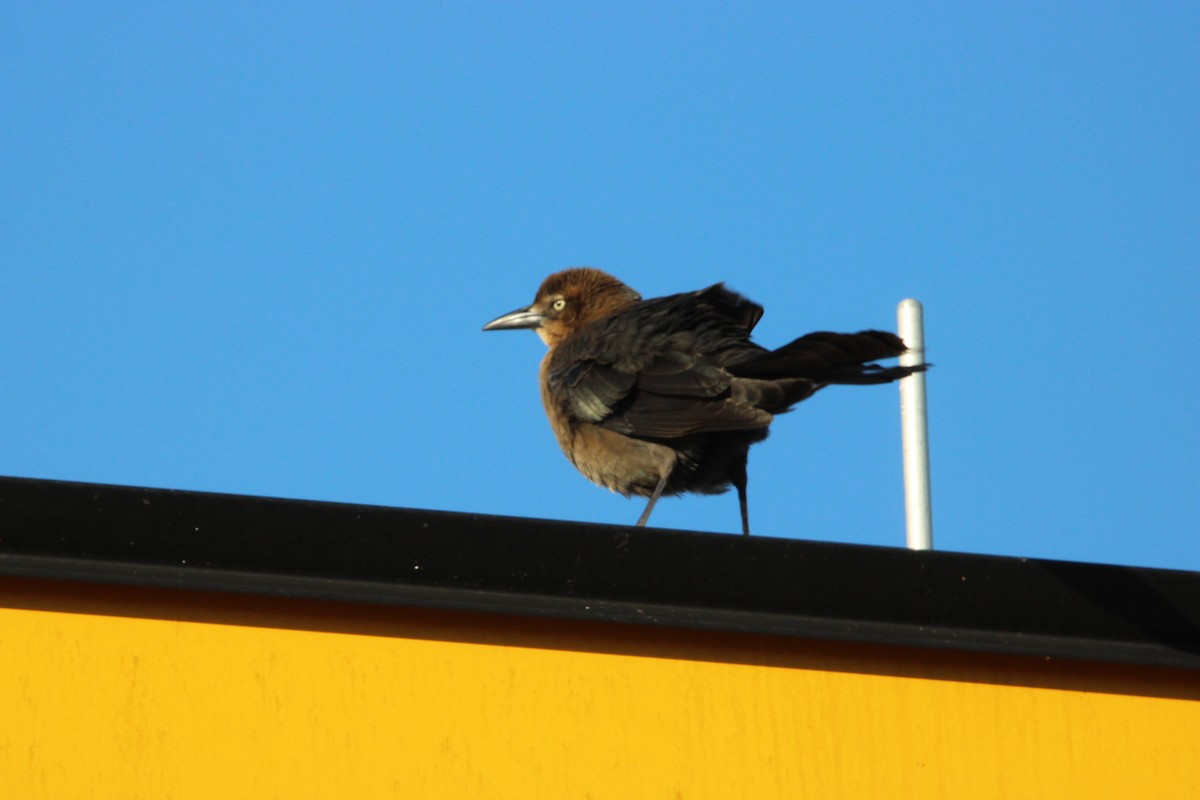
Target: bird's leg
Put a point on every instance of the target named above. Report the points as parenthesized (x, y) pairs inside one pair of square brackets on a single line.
[(662, 482), (664, 462), (737, 476), (741, 489)]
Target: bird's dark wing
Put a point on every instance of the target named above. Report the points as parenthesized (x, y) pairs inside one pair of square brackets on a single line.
[(666, 400), (656, 369)]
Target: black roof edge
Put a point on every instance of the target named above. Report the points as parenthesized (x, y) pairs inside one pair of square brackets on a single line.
[(446, 560)]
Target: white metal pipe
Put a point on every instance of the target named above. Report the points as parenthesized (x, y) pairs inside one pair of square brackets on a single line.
[(914, 426)]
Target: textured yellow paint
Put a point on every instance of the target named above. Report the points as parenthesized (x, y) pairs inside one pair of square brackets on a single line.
[(96, 706)]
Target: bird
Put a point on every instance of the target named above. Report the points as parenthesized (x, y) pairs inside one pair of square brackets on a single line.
[(665, 396)]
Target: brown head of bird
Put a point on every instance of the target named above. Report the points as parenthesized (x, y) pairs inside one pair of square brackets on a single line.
[(568, 301)]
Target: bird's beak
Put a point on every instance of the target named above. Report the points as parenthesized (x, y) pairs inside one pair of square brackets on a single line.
[(521, 318)]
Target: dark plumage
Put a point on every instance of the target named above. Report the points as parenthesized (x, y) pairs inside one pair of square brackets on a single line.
[(665, 396)]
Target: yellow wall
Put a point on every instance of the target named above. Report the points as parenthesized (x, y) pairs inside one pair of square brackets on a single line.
[(217, 697)]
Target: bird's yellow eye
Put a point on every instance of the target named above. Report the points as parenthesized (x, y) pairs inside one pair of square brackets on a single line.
[(559, 304)]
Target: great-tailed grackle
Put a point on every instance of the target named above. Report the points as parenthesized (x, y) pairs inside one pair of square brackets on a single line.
[(665, 396)]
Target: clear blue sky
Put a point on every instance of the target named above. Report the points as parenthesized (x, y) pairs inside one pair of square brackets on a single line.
[(250, 250)]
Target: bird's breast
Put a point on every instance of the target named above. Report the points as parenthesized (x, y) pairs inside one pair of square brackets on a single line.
[(606, 458), (615, 461)]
